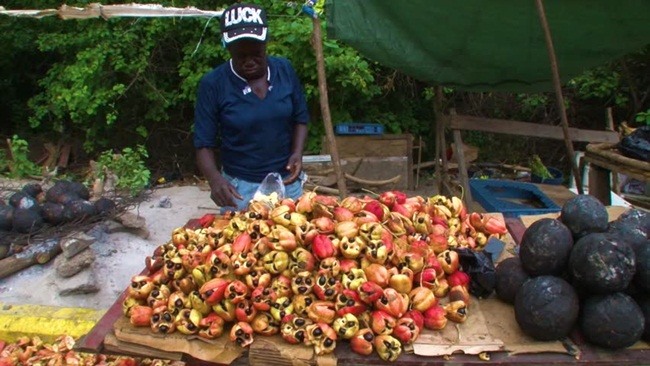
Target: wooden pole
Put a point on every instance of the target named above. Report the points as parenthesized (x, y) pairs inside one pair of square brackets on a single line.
[(559, 98), (440, 157), (325, 106)]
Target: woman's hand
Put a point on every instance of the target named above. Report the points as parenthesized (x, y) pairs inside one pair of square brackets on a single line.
[(294, 166), (223, 193)]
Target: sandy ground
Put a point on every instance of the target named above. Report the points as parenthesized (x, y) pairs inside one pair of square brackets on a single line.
[(119, 255)]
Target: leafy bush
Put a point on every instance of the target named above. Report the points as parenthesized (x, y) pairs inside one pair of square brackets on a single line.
[(19, 166), (129, 168)]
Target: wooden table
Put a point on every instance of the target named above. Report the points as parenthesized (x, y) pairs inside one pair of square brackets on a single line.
[(590, 355), (603, 161)]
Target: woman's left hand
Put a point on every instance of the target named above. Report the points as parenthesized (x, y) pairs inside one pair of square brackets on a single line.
[(294, 166)]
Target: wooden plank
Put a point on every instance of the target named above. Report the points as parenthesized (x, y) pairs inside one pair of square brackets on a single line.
[(376, 146), (462, 170), (509, 127)]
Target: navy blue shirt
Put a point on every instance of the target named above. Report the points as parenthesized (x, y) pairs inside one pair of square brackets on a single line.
[(255, 134)]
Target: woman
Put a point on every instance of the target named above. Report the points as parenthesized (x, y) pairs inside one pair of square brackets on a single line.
[(253, 108)]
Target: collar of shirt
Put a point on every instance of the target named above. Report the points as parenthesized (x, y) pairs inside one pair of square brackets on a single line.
[(247, 89)]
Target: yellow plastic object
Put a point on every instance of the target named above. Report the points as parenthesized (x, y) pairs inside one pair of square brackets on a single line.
[(47, 322)]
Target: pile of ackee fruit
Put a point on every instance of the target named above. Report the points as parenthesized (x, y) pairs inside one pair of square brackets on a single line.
[(374, 271)]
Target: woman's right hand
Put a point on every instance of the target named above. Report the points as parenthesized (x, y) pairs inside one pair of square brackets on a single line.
[(223, 193)]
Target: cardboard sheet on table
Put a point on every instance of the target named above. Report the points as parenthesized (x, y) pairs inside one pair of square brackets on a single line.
[(220, 350), (274, 350), (471, 337)]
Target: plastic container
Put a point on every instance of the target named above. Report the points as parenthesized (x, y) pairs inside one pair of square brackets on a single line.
[(557, 179), (511, 198), (359, 129)]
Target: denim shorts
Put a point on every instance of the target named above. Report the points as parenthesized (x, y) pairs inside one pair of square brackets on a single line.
[(248, 189)]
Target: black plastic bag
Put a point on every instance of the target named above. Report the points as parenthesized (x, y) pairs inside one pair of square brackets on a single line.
[(637, 144), (481, 270)]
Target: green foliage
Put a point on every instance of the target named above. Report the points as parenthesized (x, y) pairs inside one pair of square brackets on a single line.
[(643, 118), (129, 167), (129, 81), (600, 83), (538, 168), (19, 166)]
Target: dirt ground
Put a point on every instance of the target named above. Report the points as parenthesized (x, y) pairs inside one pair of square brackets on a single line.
[(121, 255)]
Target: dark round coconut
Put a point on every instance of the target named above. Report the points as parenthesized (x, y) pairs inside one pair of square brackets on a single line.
[(32, 189), (642, 274), (78, 210), (79, 190), (27, 220), (612, 321), (53, 213), (545, 248), (644, 305), (636, 218), (22, 200), (104, 206), (6, 217), (632, 226), (510, 275), (61, 192), (584, 214), (601, 264), (546, 308)]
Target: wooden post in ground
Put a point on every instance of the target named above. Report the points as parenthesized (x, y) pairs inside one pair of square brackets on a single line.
[(559, 98), (325, 107)]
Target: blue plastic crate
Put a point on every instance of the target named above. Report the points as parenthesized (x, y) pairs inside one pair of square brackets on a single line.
[(359, 129), (511, 198)]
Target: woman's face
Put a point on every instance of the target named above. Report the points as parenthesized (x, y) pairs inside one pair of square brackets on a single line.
[(249, 58)]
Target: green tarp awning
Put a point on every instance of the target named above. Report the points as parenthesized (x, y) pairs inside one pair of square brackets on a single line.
[(484, 45)]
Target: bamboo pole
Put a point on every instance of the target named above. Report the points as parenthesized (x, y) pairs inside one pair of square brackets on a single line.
[(559, 98), (325, 107)]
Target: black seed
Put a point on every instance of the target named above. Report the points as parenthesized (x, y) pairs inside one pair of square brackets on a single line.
[(164, 328), (178, 266), (462, 311), (134, 284), (317, 332), (322, 280), (308, 281), (232, 295), (329, 292), (368, 337), (300, 322), (155, 318), (239, 332), (167, 317), (155, 293), (298, 280), (178, 303), (300, 335), (239, 341), (287, 216), (350, 302), (387, 344), (142, 283), (328, 342), (191, 326), (332, 281)]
